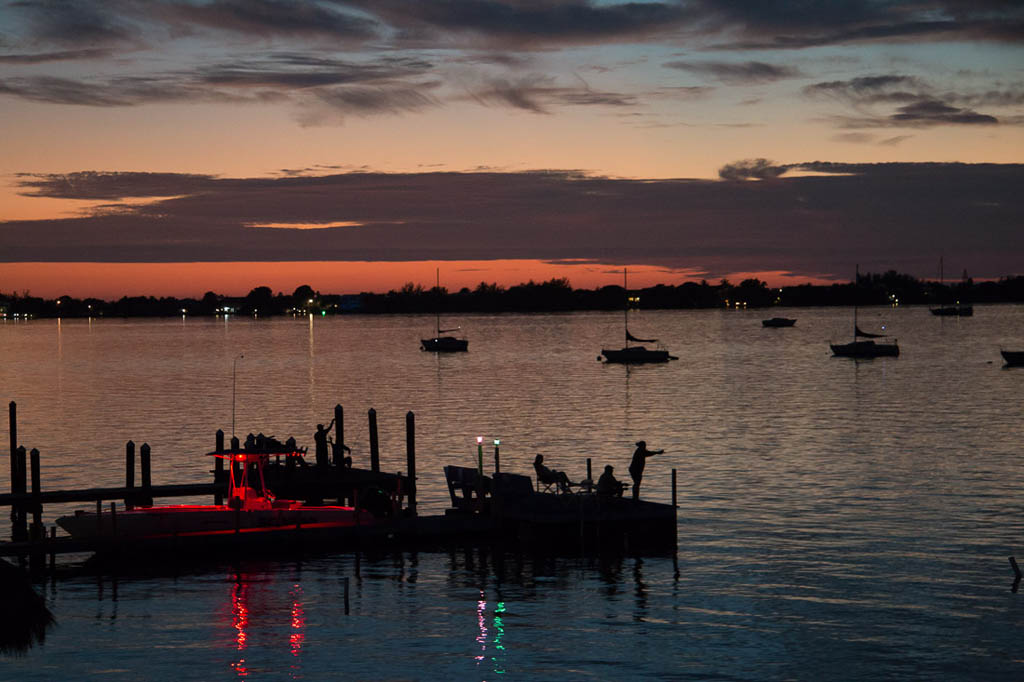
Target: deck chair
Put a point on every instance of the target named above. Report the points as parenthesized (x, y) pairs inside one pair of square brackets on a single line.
[(549, 483)]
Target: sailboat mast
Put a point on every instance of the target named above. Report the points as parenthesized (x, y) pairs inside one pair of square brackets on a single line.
[(625, 309), (437, 308), (856, 297)]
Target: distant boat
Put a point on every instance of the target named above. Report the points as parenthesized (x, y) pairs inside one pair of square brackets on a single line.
[(864, 349), (778, 322), (1014, 358), (635, 355), (957, 310), (443, 344)]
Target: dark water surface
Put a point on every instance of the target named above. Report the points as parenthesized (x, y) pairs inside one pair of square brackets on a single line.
[(838, 519)]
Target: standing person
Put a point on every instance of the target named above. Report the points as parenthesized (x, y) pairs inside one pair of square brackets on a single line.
[(636, 467), (320, 438)]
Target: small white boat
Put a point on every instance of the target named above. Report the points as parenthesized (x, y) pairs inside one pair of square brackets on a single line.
[(250, 508)]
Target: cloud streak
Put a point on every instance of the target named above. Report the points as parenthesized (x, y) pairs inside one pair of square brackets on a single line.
[(808, 225)]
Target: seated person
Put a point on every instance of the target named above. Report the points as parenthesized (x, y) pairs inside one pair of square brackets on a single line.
[(608, 485), (545, 475)]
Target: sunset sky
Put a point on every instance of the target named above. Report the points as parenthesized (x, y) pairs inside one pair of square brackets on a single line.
[(171, 147)]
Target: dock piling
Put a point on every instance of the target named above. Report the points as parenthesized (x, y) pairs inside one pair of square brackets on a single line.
[(113, 519), (590, 475), (410, 458), (218, 468), (147, 481), (339, 436), (18, 486), (37, 506), (374, 444), (129, 471), (13, 417), (346, 595), (497, 457)]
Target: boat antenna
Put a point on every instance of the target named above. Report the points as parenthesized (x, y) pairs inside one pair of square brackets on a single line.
[(234, 368)]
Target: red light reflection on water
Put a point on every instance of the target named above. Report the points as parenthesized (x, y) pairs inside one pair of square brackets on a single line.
[(240, 621), (481, 620), (262, 614), (298, 636)]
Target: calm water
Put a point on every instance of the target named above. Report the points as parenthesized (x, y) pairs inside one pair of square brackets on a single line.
[(838, 519)]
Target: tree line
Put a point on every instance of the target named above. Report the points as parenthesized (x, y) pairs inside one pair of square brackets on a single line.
[(553, 295)]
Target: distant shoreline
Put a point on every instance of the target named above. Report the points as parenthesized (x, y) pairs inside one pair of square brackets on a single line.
[(556, 295)]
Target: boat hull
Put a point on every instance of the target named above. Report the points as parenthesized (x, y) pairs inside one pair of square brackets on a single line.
[(200, 520), (865, 349), (635, 355), (444, 344), (1013, 358), (778, 322), (954, 311)]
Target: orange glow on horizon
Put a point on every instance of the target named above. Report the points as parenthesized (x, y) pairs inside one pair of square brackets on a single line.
[(111, 281)]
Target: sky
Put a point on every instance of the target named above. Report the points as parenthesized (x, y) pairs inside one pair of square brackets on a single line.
[(173, 147)]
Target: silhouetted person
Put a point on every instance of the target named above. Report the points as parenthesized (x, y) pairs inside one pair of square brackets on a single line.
[(320, 438), (636, 467), (545, 475), (339, 450), (608, 485)]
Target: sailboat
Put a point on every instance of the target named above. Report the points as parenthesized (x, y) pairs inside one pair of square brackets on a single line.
[(864, 349), (635, 354), (443, 344), (958, 310)]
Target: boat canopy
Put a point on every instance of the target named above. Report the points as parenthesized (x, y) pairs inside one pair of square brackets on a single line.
[(630, 337), (867, 335)]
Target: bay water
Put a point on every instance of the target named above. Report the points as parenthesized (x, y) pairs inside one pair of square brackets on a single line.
[(838, 519)]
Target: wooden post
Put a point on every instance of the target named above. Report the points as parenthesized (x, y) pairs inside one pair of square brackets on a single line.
[(590, 474), (410, 458), (53, 549), (37, 506), (147, 481), (497, 458), (219, 441), (235, 443), (339, 436), (13, 411), (99, 518), (113, 519), (374, 446), (675, 513), (20, 520), (129, 472)]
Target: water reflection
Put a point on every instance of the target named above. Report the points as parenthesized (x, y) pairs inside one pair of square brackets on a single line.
[(257, 617)]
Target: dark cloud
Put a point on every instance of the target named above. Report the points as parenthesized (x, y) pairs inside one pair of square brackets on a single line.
[(82, 22), (932, 112), (365, 101), (782, 24), (751, 169), (814, 224), (274, 18), (524, 23), (58, 56), (910, 102), (274, 78), (536, 94), (737, 73)]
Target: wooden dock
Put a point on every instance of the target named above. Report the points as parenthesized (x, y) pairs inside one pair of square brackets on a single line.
[(501, 508)]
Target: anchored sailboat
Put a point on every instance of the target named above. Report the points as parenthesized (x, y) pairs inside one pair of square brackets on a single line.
[(635, 354), (864, 349), (443, 344)]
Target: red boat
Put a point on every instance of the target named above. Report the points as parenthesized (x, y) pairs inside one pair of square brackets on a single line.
[(250, 508)]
